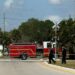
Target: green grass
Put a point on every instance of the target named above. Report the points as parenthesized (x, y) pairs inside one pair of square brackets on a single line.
[(69, 64)]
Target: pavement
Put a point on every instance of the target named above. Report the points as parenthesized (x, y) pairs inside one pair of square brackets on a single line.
[(28, 60), (45, 62)]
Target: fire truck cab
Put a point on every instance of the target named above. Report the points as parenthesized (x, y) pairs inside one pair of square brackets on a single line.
[(47, 45)]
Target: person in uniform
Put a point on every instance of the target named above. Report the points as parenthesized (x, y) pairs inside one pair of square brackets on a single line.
[(51, 56), (63, 55)]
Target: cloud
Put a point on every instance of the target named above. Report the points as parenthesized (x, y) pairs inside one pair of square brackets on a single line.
[(55, 18), (55, 1), (13, 4), (8, 3)]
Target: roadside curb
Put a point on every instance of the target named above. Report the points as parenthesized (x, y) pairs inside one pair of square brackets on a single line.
[(60, 68)]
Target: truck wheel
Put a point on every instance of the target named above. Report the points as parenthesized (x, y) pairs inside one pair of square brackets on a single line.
[(23, 56)]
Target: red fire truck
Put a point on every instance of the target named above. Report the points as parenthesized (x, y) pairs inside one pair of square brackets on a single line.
[(29, 50), (22, 50)]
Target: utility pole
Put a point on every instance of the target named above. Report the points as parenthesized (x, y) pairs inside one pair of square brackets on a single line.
[(55, 41), (56, 27), (3, 31), (56, 38), (4, 22)]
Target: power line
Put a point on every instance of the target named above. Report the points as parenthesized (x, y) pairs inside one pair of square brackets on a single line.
[(4, 21), (18, 18)]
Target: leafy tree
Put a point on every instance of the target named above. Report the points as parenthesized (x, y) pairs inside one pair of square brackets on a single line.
[(15, 36), (67, 31), (67, 34), (6, 38), (35, 30), (1, 35)]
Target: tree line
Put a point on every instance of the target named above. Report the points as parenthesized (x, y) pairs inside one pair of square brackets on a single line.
[(34, 30)]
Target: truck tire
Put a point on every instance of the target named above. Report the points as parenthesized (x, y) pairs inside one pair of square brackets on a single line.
[(24, 56)]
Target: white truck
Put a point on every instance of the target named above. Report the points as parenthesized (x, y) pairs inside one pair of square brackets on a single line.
[(1, 48)]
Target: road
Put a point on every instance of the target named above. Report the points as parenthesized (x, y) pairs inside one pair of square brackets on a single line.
[(27, 68)]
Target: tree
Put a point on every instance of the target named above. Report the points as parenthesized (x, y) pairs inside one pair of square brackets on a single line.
[(15, 36), (67, 34), (1, 35), (66, 31), (35, 30)]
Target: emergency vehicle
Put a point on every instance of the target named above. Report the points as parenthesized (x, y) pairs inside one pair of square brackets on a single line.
[(47, 45), (29, 50), (22, 50)]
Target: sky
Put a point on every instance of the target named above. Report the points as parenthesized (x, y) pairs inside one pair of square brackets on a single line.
[(18, 11)]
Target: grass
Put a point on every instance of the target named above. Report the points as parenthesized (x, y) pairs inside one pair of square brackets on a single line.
[(69, 64)]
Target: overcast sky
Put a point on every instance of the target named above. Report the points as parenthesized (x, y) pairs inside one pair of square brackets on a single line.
[(17, 11)]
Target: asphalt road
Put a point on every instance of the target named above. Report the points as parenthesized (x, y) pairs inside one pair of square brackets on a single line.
[(27, 68)]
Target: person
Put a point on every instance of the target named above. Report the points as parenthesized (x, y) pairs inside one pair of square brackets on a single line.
[(51, 56), (63, 55)]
